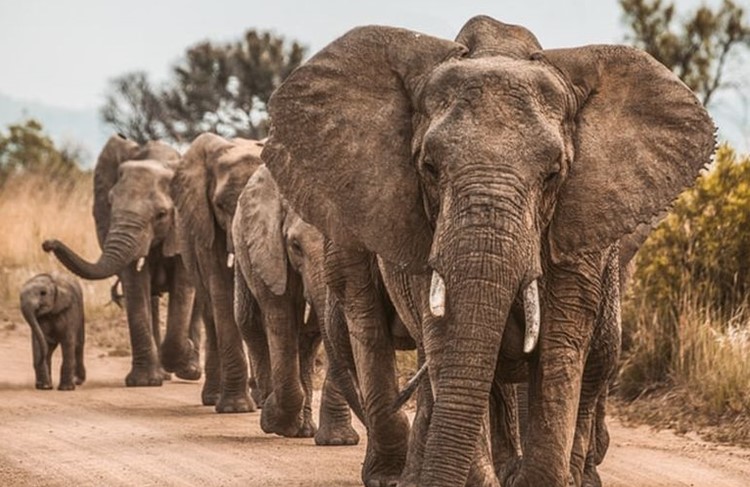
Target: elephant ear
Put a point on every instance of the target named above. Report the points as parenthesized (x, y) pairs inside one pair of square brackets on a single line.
[(116, 151), (487, 37), (641, 138), (340, 143), (257, 227), (190, 188), (64, 293)]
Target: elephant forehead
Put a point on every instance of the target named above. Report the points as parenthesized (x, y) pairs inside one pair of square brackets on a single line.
[(496, 84), (151, 169)]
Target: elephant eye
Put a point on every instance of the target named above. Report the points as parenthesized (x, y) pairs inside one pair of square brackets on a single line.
[(161, 214), (42, 292), (428, 166), (296, 247)]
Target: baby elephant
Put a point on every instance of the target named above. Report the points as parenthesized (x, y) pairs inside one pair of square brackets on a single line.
[(53, 305)]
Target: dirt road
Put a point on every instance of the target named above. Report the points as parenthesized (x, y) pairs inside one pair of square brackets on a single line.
[(106, 434)]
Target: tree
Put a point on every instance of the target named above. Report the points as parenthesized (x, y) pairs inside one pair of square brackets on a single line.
[(26, 148), (134, 108), (697, 49), (220, 88)]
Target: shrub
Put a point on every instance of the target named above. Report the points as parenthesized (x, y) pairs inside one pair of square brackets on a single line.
[(685, 316)]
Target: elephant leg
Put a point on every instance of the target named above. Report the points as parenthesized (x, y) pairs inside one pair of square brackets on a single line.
[(591, 438), (283, 409), (506, 435), (598, 446), (309, 345), (248, 316), (235, 394), (335, 416), (556, 377), (41, 364), (420, 426), (146, 370), (80, 374), (68, 366), (212, 386), (156, 331), (350, 279), (179, 354)]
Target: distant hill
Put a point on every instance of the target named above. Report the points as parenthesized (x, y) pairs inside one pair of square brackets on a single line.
[(80, 127)]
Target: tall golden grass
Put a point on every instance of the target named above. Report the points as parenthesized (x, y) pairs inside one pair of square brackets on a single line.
[(32, 209)]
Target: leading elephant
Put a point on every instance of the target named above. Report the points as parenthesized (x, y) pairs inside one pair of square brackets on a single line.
[(479, 170), (137, 231), (206, 186)]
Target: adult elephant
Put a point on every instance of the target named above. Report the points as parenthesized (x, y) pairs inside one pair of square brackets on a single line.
[(206, 187), (135, 224), (479, 171), (280, 295)]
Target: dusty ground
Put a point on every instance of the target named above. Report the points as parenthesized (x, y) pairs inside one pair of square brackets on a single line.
[(106, 434)]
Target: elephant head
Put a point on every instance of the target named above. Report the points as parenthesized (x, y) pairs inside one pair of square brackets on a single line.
[(41, 296), (480, 161), (277, 239), (209, 182), (133, 208)]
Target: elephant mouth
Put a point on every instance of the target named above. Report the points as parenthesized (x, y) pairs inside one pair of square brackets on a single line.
[(532, 313)]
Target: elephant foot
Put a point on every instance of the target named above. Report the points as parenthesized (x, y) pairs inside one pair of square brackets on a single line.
[(66, 386), (239, 403), (144, 377), (281, 421), (382, 470), (522, 477), (164, 374), (80, 379), (256, 393), (336, 435), (210, 394), (591, 478), (185, 364), (43, 386)]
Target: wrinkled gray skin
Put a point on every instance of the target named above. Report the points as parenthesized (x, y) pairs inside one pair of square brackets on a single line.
[(52, 304), (493, 163), (279, 268), (206, 187), (135, 219)]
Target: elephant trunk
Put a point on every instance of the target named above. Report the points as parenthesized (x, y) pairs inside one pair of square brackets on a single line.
[(28, 309), (124, 243), (482, 280)]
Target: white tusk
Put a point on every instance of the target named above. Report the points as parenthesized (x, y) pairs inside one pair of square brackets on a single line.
[(532, 315), (139, 265), (307, 311), (230, 260), (437, 295)]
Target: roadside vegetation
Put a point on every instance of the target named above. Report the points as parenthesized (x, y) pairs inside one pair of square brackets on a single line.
[(43, 194), (686, 316)]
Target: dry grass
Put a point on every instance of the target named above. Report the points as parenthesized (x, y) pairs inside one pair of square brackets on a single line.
[(33, 209), (706, 356)]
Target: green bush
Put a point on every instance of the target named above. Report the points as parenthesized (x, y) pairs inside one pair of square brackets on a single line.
[(685, 315)]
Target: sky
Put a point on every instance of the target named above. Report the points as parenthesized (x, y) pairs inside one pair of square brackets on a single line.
[(63, 52)]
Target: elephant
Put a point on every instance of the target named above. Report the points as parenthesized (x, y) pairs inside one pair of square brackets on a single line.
[(135, 224), (481, 172), (278, 271), (52, 305), (206, 186)]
